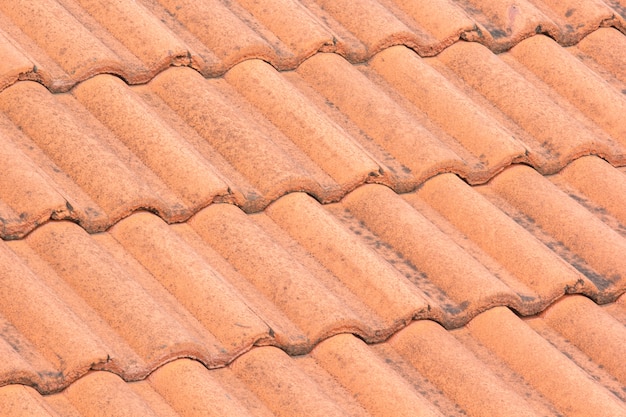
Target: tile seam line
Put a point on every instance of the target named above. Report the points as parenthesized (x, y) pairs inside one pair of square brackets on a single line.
[(173, 358), (230, 198), (175, 61)]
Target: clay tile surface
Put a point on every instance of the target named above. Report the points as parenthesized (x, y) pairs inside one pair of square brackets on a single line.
[(350, 208)]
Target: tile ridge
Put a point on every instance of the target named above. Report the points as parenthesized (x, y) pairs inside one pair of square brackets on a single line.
[(62, 382), (34, 73), (20, 230)]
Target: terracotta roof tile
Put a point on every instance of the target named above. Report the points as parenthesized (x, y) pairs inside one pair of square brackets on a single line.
[(597, 333), (62, 62), (154, 142), (110, 291), (359, 138), (200, 393), (486, 395), (501, 25), (590, 94), (15, 65), (249, 147), (577, 18), (67, 352), (139, 42), (203, 293), (365, 273), (347, 358), (551, 372), (438, 23), (531, 262), (108, 396), (309, 128), (113, 188), (601, 46), (538, 374), (230, 39), (333, 208), (368, 279), (530, 108), (36, 200), (299, 32), (575, 229), (490, 145), (414, 237), (370, 22), (286, 390), (594, 183), (297, 292), (21, 401), (386, 123), (142, 33)]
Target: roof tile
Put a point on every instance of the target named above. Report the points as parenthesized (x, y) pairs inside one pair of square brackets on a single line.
[(224, 250), (21, 401), (543, 366), (489, 144), (486, 395), (286, 389), (58, 42), (300, 33), (535, 112), (203, 292), (102, 394), (15, 65), (229, 41), (139, 31), (576, 18), (503, 24), (67, 352), (35, 201), (593, 331), (575, 228), (500, 236), (166, 34), (360, 269), (275, 273), (601, 45), (595, 181), (199, 393), (138, 262), (534, 375), (155, 143), (347, 358), (402, 227), (247, 146), (442, 22), (389, 125), (590, 94), (325, 142), (372, 24), (108, 289), (57, 127)]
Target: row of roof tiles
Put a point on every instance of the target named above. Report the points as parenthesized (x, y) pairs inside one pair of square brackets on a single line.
[(138, 40), (326, 128), (567, 361), (301, 272)]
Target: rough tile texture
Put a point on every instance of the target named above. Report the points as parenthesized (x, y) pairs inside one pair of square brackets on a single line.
[(312, 208)]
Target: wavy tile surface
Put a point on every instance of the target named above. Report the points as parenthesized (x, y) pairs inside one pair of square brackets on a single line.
[(182, 142), (243, 208), (566, 361), (63, 42), (143, 293)]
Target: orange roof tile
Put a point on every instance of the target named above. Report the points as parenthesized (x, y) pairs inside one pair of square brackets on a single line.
[(361, 208)]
